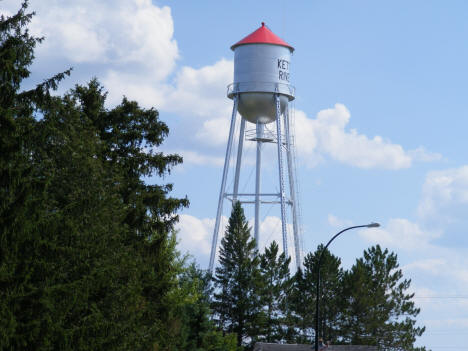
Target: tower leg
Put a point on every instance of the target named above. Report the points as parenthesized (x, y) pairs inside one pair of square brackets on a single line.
[(281, 175), (239, 158), (292, 187), (260, 127), (222, 191)]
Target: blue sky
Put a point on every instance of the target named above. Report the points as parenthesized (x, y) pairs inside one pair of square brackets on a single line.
[(380, 119)]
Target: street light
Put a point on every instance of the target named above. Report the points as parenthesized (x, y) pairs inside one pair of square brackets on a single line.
[(317, 296)]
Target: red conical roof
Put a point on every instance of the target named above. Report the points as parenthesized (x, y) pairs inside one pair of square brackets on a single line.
[(262, 36)]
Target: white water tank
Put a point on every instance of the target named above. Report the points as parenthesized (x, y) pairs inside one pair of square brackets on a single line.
[(261, 69)]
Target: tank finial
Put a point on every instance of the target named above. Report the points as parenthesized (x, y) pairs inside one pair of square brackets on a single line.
[(263, 24)]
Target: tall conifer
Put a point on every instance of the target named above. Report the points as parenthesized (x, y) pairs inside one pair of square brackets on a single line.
[(87, 254), (331, 297), (276, 284), (379, 309), (236, 299), (300, 310)]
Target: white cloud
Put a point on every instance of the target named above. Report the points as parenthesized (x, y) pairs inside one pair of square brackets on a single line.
[(195, 234), (202, 92), (336, 222), (400, 233), (435, 266), (422, 155), (144, 91), (326, 135), (196, 93), (130, 34), (444, 193), (214, 131), (445, 274), (130, 44), (271, 230), (196, 158), (199, 94)]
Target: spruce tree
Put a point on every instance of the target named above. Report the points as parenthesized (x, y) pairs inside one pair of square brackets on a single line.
[(379, 311), (24, 310), (87, 254), (129, 138), (236, 299), (276, 283)]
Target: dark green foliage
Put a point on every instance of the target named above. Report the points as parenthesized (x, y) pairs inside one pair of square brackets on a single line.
[(142, 266), (300, 310), (199, 329), (218, 341), (22, 294), (126, 133), (87, 258), (196, 310), (302, 298), (378, 310), (331, 297), (276, 285), (367, 305), (130, 137), (236, 299)]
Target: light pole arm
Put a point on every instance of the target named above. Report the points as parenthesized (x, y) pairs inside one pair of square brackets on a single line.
[(334, 237), (317, 283)]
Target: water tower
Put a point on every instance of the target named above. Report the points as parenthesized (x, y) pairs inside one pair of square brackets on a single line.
[(261, 93)]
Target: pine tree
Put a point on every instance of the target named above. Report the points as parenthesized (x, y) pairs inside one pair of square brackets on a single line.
[(276, 283), (379, 311), (331, 292), (303, 297), (299, 316), (236, 299)]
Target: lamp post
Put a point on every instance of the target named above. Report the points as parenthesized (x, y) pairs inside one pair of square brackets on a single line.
[(317, 283)]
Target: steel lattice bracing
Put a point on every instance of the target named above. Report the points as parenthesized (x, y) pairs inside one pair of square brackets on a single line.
[(286, 197), (222, 192)]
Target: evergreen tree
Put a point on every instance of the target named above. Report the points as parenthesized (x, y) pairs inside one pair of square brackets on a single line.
[(331, 292), (299, 315), (276, 283), (199, 329), (87, 258), (196, 310), (379, 311), (130, 137), (22, 294), (236, 299), (303, 297)]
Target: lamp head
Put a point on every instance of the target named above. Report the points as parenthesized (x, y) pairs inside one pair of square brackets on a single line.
[(373, 225)]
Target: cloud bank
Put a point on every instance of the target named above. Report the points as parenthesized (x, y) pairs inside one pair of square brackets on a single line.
[(137, 55)]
